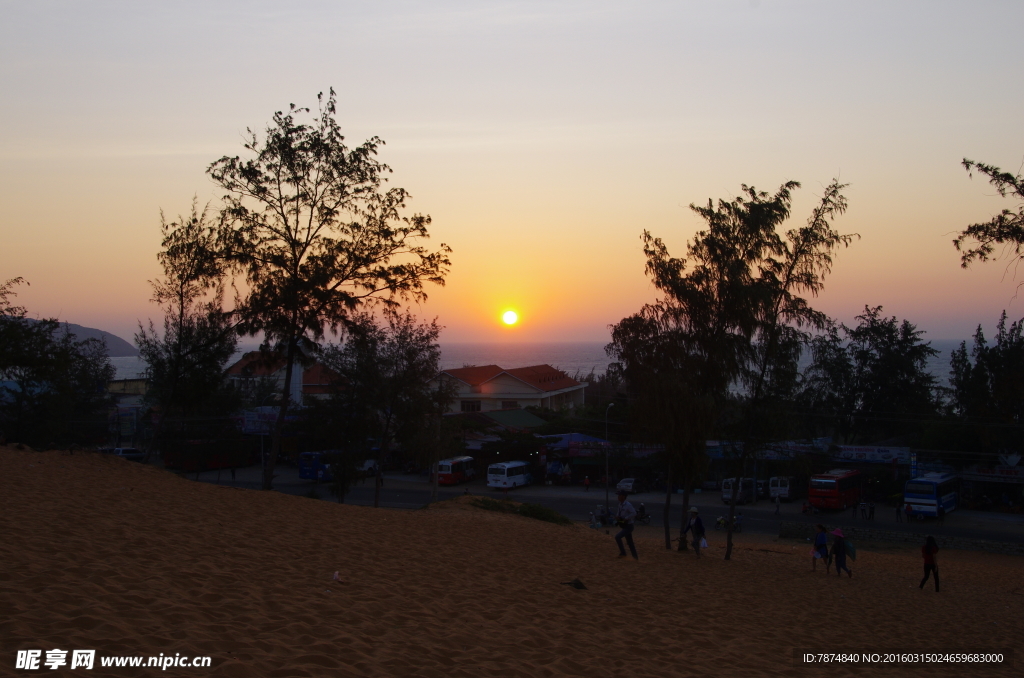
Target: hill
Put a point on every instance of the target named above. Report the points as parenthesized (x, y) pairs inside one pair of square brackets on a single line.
[(116, 346)]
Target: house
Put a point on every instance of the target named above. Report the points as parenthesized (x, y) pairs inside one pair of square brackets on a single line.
[(255, 369), (489, 387)]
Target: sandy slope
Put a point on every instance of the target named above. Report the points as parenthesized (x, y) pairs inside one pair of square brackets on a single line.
[(98, 553)]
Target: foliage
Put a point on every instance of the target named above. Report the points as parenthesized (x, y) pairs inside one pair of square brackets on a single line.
[(872, 380), (384, 380), (988, 386), (307, 225), (512, 445), (1005, 229), (731, 315), (50, 379), (185, 365), (535, 511)]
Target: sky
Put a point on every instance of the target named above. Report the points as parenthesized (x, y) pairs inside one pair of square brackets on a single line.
[(542, 137)]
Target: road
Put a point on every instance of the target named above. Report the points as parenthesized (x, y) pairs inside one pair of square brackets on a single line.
[(413, 492)]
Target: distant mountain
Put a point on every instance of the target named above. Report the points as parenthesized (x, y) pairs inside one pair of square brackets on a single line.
[(116, 346)]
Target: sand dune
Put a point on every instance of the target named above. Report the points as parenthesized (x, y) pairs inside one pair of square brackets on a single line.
[(99, 553)]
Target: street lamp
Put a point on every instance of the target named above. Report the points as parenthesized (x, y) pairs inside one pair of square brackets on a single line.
[(607, 480)]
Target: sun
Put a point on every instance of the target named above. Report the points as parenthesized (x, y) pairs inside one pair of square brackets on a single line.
[(510, 317)]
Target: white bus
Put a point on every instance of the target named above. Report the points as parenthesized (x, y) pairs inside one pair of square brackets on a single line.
[(508, 474), (925, 492)]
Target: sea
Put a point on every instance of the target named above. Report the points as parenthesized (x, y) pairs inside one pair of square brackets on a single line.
[(571, 357)]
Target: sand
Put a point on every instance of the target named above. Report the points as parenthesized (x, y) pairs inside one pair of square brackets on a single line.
[(100, 553)]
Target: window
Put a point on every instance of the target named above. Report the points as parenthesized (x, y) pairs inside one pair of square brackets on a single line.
[(509, 405), (470, 405), (823, 484), (926, 489)]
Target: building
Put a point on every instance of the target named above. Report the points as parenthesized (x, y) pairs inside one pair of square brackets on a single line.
[(255, 370), (489, 387)]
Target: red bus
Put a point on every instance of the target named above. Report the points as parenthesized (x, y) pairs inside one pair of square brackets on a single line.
[(455, 470), (836, 489)]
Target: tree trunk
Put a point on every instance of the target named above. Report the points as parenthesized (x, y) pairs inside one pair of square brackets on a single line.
[(275, 441), (668, 507), (737, 485)]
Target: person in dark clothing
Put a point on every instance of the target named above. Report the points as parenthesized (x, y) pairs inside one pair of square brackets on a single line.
[(839, 553), (625, 518), (928, 551), (910, 512), (941, 513), (820, 549), (871, 510), (854, 511), (695, 526)]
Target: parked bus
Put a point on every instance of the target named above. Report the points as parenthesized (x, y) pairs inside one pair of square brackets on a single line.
[(781, 487), (313, 467), (746, 490), (925, 492), (836, 489), (455, 470), (509, 474)]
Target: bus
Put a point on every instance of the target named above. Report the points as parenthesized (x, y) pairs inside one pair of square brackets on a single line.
[(835, 489), (925, 492), (508, 474), (746, 490), (455, 470)]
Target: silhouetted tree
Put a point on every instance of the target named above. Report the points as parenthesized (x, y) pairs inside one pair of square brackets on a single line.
[(735, 317), (874, 379), (988, 387), (1005, 229), (51, 378), (385, 369), (185, 364), (308, 226)]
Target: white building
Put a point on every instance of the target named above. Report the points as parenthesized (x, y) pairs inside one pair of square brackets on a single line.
[(489, 387)]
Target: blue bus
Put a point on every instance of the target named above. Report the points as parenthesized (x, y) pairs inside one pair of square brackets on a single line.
[(925, 493)]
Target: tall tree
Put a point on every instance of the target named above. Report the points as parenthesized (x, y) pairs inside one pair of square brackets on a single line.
[(734, 316), (185, 364), (874, 378), (1006, 229), (385, 369), (988, 388), (309, 228)]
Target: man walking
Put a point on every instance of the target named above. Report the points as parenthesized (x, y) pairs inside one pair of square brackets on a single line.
[(624, 519), (696, 527)]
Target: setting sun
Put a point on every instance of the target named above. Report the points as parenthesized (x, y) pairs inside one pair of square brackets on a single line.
[(510, 317)]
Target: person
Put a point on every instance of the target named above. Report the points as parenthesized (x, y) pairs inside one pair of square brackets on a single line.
[(899, 513), (871, 511), (695, 526), (864, 510), (820, 548), (624, 518), (737, 522), (839, 553), (778, 504), (586, 483), (942, 513), (642, 511), (929, 550), (909, 511)]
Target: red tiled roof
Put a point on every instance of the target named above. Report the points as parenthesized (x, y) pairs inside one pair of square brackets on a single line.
[(317, 379), (474, 376), (544, 377), (256, 364)]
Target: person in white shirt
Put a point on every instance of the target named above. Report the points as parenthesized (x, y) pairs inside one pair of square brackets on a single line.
[(625, 518)]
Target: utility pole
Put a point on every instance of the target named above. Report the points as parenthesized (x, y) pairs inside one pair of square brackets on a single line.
[(607, 479)]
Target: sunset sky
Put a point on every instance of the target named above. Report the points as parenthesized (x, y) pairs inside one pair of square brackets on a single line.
[(542, 138)]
